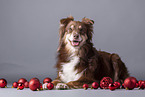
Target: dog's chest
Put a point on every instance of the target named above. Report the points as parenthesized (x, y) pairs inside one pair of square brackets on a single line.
[(68, 70)]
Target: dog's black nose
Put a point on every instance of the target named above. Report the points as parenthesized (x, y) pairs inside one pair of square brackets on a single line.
[(76, 36)]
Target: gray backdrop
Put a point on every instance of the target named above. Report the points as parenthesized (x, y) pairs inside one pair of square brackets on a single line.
[(29, 33)]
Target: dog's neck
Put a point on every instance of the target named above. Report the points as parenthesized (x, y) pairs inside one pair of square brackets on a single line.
[(72, 51), (66, 52)]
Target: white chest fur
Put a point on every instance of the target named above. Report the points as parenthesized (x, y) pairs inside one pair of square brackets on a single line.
[(68, 70)]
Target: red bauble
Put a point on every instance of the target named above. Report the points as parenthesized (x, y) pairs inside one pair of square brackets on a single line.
[(95, 85), (130, 83), (85, 86), (35, 79), (112, 87), (15, 84), (104, 83), (47, 80), (50, 86), (22, 80), (123, 87), (117, 85), (3, 83), (136, 86), (139, 82), (41, 86), (34, 84), (26, 84), (20, 86), (142, 85)]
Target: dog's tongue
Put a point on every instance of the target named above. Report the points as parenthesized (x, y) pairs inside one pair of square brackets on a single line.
[(75, 43)]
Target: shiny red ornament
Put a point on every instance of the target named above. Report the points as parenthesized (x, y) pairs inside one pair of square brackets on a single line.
[(130, 83), (95, 85), (41, 88), (112, 87), (15, 85), (35, 79), (50, 86), (104, 83), (136, 86), (20, 86), (34, 84), (85, 86), (123, 87), (142, 85), (3, 83), (26, 84), (117, 85), (139, 82), (47, 80), (22, 80)]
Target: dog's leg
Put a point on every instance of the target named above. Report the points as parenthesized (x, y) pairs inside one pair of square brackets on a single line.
[(114, 59), (120, 71), (79, 83), (56, 81), (76, 84), (73, 84), (60, 85)]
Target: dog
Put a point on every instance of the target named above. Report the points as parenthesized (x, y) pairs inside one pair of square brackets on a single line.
[(78, 62)]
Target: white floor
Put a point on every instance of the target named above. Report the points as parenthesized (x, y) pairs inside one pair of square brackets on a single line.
[(13, 92)]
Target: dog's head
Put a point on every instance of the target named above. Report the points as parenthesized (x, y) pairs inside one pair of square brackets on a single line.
[(75, 33)]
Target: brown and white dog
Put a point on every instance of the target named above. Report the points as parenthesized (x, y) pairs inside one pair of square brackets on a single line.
[(79, 62)]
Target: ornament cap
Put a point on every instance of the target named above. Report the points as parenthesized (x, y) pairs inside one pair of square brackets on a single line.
[(38, 89), (126, 88), (85, 88), (91, 87)]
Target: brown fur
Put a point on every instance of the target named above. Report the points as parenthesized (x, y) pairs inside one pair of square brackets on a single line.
[(98, 64)]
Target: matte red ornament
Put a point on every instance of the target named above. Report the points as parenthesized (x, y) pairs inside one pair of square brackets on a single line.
[(22, 80), (34, 84), (130, 83), (85, 86), (47, 80), (117, 85), (20, 86), (95, 85), (26, 84), (50, 86), (3, 83), (104, 83), (15, 85), (112, 87)]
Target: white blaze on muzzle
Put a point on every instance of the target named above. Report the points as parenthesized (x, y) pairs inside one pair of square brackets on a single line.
[(75, 41)]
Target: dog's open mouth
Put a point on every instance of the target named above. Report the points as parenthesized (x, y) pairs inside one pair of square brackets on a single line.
[(75, 43)]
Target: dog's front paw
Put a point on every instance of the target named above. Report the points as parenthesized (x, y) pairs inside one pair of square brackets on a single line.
[(44, 86), (62, 86)]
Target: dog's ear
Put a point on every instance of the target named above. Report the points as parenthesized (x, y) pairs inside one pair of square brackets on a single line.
[(63, 24), (87, 21), (65, 21), (89, 25)]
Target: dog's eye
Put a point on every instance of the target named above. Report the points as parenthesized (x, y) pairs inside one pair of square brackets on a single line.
[(70, 29)]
